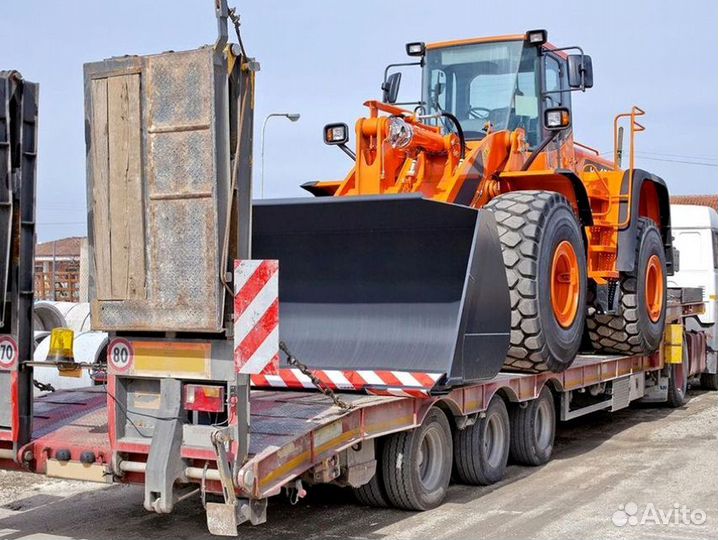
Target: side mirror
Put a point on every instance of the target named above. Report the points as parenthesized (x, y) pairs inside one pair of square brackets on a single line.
[(390, 88), (580, 71)]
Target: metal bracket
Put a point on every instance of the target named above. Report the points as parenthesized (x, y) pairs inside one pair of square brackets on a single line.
[(165, 465), (224, 518), (222, 12)]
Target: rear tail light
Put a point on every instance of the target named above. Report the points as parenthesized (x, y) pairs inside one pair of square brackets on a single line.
[(199, 397)]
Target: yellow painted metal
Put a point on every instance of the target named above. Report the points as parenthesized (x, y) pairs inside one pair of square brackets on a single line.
[(167, 359), (673, 344), (74, 470)]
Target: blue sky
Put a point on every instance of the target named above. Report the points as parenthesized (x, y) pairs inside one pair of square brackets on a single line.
[(324, 59)]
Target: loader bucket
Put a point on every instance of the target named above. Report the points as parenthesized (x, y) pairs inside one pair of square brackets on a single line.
[(395, 283)]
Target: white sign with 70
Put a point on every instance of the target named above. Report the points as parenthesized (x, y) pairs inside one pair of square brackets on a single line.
[(8, 352)]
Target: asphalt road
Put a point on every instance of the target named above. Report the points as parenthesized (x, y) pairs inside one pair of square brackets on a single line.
[(643, 460)]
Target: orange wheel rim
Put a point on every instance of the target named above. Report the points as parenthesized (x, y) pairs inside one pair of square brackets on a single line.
[(654, 288), (565, 284)]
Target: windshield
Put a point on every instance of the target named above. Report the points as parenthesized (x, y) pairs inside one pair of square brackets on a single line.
[(485, 84)]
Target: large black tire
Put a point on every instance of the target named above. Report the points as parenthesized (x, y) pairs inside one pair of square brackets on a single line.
[(416, 464), (631, 330), (531, 226), (678, 381), (481, 450), (709, 381), (533, 428), (373, 492)]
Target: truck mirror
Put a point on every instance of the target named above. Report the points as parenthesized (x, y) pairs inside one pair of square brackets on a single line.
[(580, 71), (390, 88)]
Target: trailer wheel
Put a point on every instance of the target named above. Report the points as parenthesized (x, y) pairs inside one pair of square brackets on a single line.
[(533, 428), (678, 381), (638, 326), (373, 492), (416, 464), (546, 271), (482, 449), (709, 381)]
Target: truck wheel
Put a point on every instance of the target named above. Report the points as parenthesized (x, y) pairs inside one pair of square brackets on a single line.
[(546, 271), (373, 492), (678, 381), (482, 449), (533, 428), (638, 326), (709, 381), (416, 464)]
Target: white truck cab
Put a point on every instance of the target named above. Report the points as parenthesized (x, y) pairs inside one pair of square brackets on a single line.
[(695, 236)]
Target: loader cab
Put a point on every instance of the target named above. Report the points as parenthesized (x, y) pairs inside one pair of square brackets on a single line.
[(501, 83)]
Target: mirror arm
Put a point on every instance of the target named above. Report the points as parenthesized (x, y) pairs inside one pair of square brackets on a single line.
[(348, 151), (401, 64), (551, 136)]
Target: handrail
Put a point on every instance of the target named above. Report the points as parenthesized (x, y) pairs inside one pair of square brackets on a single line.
[(586, 147), (635, 128)]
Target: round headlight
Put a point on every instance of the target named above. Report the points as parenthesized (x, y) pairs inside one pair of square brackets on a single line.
[(400, 133)]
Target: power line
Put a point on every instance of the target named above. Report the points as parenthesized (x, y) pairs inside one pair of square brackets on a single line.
[(640, 155), (687, 162), (685, 156)]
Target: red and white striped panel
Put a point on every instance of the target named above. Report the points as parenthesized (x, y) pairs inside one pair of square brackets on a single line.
[(256, 316), (401, 383)]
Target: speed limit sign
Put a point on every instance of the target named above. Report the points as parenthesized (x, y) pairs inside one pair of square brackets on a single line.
[(8, 352), (119, 355)]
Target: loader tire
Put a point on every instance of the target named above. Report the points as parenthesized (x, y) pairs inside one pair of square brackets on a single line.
[(542, 249), (533, 428), (416, 464), (481, 450), (638, 326)]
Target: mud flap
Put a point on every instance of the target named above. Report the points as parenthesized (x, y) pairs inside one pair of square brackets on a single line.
[(395, 283)]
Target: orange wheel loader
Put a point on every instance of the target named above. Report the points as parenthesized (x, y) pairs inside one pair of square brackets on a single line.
[(394, 267)]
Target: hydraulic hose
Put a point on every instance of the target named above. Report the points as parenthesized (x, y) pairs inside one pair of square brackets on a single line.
[(459, 132), (538, 150)]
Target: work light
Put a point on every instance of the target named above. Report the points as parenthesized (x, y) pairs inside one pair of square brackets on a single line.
[(557, 118), (336, 134), (537, 37), (416, 48)]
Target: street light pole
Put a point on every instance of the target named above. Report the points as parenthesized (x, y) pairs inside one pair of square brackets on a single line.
[(292, 117)]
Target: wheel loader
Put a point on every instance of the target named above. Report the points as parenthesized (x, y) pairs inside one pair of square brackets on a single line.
[(472, 226)]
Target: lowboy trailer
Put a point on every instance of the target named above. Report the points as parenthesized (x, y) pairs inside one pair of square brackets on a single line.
[(207, 298), (299, 437)]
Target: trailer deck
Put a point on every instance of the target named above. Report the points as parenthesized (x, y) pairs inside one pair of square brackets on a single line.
[(292, 431)]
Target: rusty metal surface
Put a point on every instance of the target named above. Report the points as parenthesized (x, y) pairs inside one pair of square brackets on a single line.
[(185, 178)]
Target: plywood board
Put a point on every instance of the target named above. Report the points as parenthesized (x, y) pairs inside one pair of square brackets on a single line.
[(126, 203), (99, 156)]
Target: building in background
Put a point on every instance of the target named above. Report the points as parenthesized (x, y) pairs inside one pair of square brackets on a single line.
[(61, 270), (700, 200)]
